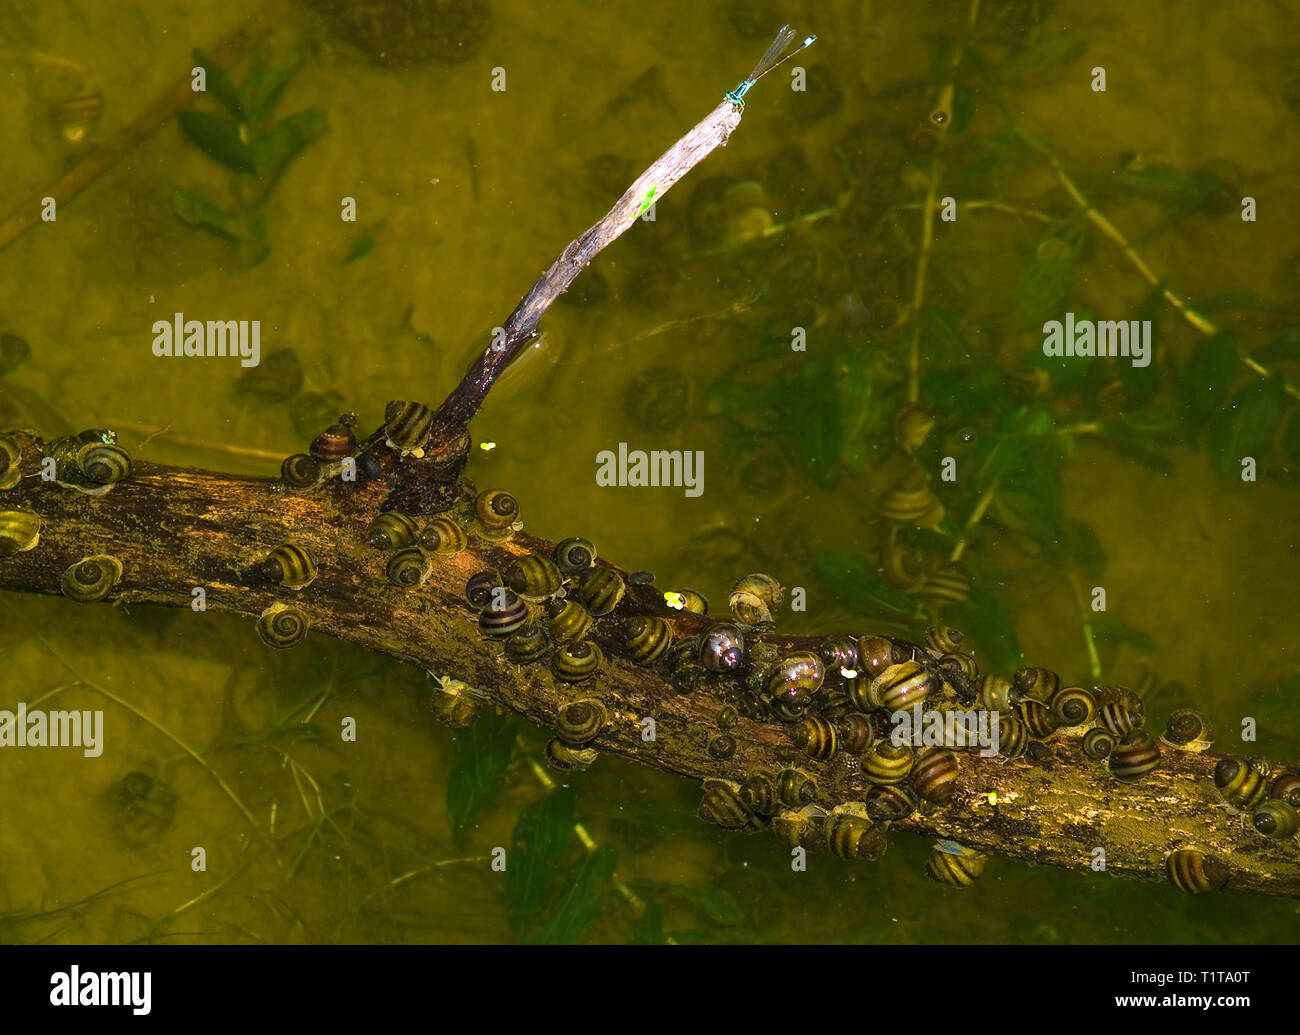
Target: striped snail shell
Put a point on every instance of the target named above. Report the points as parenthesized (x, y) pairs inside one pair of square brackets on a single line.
[(406, 426), (721, 805), (721, 747), (911, 502), (1187, 730), (443, 537), (759, 794), (290, 565), (686, 600), (962, 665), (858, 692), (853, 837), (755, 598), (954, 864), (601, 591), (723, 649), (533, 577), (454, 704), (795, 789), (1133, 757), (889, 803), (282, 626), (574, 555), (728, 717), (784, 711), (299, 471), (528, 645), (800, 828), (479, 587), (1038, 684), (1039, 719), (903, 566), (11, 455), (575, 662), (946, 586), (568, 621), (995, 692), (815, 737), (1195, 873), (901, 686), (795, 678), (1276, 818), (1286, 787), (647, 639), (567, 759), (1119, 718), (1098, 743), (836, 704), (580, 721), (504, 615), (875, 654), (1124, 706), (104, 463), (1074, 706), (839, 654), (409, 568), (1013, 737), (943, 639), (336, 441), (393, 531), (497, 512), (888, 762), (91, 578), (935, 774), (857, 733), (20, 530)]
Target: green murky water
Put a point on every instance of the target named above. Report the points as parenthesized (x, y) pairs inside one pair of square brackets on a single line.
[(464, 195)]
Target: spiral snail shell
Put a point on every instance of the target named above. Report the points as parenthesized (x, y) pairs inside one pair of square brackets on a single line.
[(1119, 709), (282, 626), (935, 774), (574, 555), (911, 502), (1286, 787), (1187, 730), (795, 678), (291, 565), (409, 568), (1074, 706), (1240, 783), (728, 717), (875, 654), (857, 732), (721, 747), (91, 578), (946, 586), (888, 762), (20, 530), (569, 621), (889, 803), (443, 537), (839, 654), (498, 513), (815, 737), (954, 864), (528, 645), (300, 471), (336, 441), (853, 837), (943, 639), (393, 531), (579, 721), (723, 649), (1013, 737), (574, 662), (795, 789), (901, 686), (1098, 743), (104, 463), (11, 455), (686, 600), (755, 598), (601, 591), (479, 587), (803, 827), (1133, 757), (758, 793), (647, 639), (406, 426), (454, 703), (567, 759), (1195, 873), (1276, 818), (1039, 719), (533, 577), (912, 426), (721, 805), (995, 692), (1037, 684), (504, 615)]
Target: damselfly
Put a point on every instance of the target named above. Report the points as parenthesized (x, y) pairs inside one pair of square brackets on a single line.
[(770, 60)]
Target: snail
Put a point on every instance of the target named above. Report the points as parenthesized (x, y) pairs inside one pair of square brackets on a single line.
[(78, 113), (574, 555), (504, 615), (1040, 721), (946, 586), (721, 805), (686, 600), (1013, 737), (292, 566), (336, 441), (689, 676), (104, 463), (995, 692), (954, 864), (795, 789), (801, 828), (1133, 757), (20, 530), (91, 578), (479, 587), (960, 665), (875, 654), (601, 591), (569, 620), (1187, 730), (912, 426), (393, 531), (647, 639), (795, 678), (409, 568), (1037, 684), (300, 471), (1286, 787), (911, 502), (1074, 706), (443, 537), (90, 461), (1240, 783), (889, 803), (721, 747), (1098, 743), (903, 566), (758, 793), (754, 599), (533, 577), (1195, 873), (528, 645), (406, 426), (497, 513), (943, 639), (935, 774), (728, 717), (579, 721), (853, 837), (857, 733), (575, 662), (11, 455), (723, 649), (1276, 818), (566, 759), (454, 704), (901, 686), (815, 737), (282, 626), (888, 762), (1119, 718), (839, 654)]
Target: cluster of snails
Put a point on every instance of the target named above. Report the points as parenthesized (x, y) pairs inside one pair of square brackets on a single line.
[(325, 456), (1269, 802), (90, 461)]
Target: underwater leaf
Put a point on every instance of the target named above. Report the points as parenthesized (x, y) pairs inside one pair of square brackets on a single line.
[(581, 899), (480, 755), (1283, 346), (649, 927), (276, 148), (541, 835), (364, 243), (1050, 52), (853, 580), (1245, 427), (262, 87), (220, 86), (963, 109), (1042, 289), (218, 139), (1110, 630), (941, 341), (1141, 382), (810, 419), (1165, 184), (987, 629), (718, 905), (1123, 438), (1205, 379), (1235, 301), (197, 212)]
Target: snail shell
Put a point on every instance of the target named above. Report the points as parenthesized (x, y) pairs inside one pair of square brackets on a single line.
[(20, 530), (935, 774), (504, 615), (11, 455), (443, 536), (721, 747), (1276, 818), (943, 639), (393, 531), (759, 794), (409, 568), (579, 721), (575, 662), (795, 789), (528, 645), (995, 692), (755, 598), (875, 654), (723, 649), (574, 555), (728, 717), (839, 654), (795, 678), (1121, 720), (686, 600), (1098, 743), (533, 577), (912, 502), (104, 463), (1074, 706), (857, 733), (1013, 737), (281, 626), (903, 566), (91, 578), (721, 805), (1195, 873), (889, 803), (815, 737), (1039, 719), (300, 471), (569, 621), (1133, 757), (498, 513), (888, 762), (601, 591), (954, 864), (647, 639), (912, 426), (479, 587), (962, 665), (946, 586), (1038, 684), (290, 565), (901, 686), (406, 426), (454, 706), (567, 759), (1187, 730), (801, 828), (336, 441), (853, 837), (1286, 787)]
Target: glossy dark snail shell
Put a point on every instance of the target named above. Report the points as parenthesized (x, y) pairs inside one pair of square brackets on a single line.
[(1187, 730), (722, 806), (443, 537), (104, 463), (1286, 787), (888, 762), (996, 692), (721, 747), (857, 733), (795, 789), (723, 649), (569, 621), (335, 442), (795, 679), (567, 759), (728, 717), (601, 591), (1134, 756), (1013, 737), (1119, 718), (758, 793), (686, 600), (574, 662), (20, 530), (497, 512), (580, 721), (290, 565), (889, 803), (853, 837), (504, 615), (875, 654), (935, 774), (1039, 719), (91, 578), (839, 654), (1074, 706), (943, 639), (533, 577), (901, 686), (647, 639), (300, 471), (528, 645), (1098, 743), (393, 531), (962, 665), (11, 455), (955, 865), (406, 426), (1195, 873), (282, 626), (815, 737), (1038, 684), (409, 568), (1276, 818), (479, 587), (574, 555), (755, 598)]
